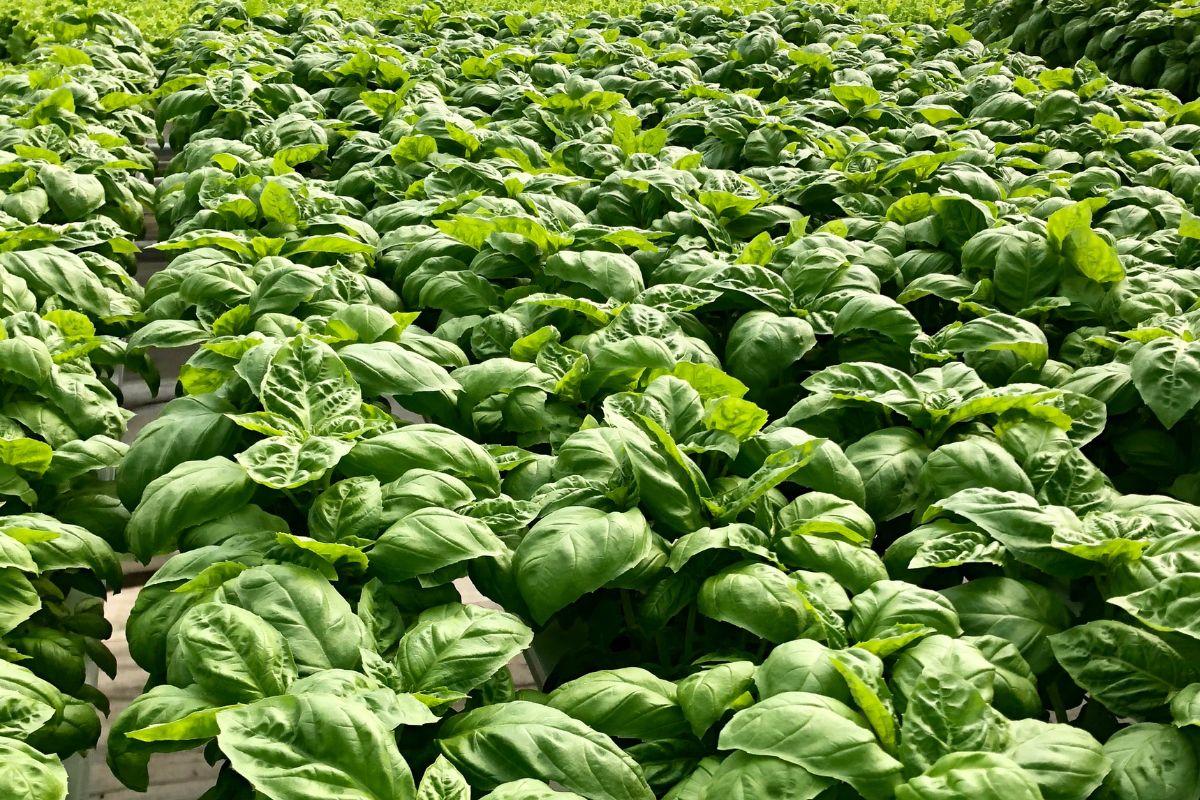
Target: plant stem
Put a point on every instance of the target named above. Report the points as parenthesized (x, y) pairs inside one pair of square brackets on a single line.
[(627, 611), (1056, 701), (689, 634)]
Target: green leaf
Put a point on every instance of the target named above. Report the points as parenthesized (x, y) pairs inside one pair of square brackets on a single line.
[(458, 647), (980, 776), (740, 418), (759, 598), (52, 272), (19, 600), (189, 428), (1129, 670), (821, 735), (26, 774), (128, 758), (278, 204), (442, 781), (287, 462), (1166, 373), (706, 696), (195, 727), (432, 447), (1171, 604), (1066, 762), (511, 741), (353, 507), (1185, 706), (762, 345), (574, 551), (75, 194), (999, 332), (1021, 612), (430, 539), (742, 776), (300, 747), (26, 702), (529, 789), (168, 333), (1093, 256), (386, 368), (613, 275), (307, 384), (628, 703), (946, 714), (192, 493), (886, 604), (318, 624), (1151, 760), (231, 654), (890, 461)]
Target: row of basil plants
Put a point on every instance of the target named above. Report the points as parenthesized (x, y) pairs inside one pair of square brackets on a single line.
[(813, 394), (74, 180)]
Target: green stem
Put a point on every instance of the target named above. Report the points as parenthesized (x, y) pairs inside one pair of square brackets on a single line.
[(1056, 701), (627, 611), (689, 634)]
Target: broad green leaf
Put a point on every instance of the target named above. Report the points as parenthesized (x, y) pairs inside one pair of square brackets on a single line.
[(1151, 760), (999, 332), (1166, 373), (26, 774), (19, 599), (762, 345), (742, 776), (293, 747), (980, 776), (758, 598), (1129, 670), (318, 624), (386, 368), (352, 507), (390, 455), (890, 462), (286, 462), (442, 781), (529, 789), (233, 655), (1021, 612), (1066, 762), (197, 726), (512, 741), (613, 275), (430, 539), (1093, 256), (574, 551), (308, 385), (192, 493), (1185, 706), (821, 735), (129, 759), (628, 703), (946, 714), (1169, 605), (458, 647), (189, 428), (888, 603), (278, 204), (706, 696), (74, 193)]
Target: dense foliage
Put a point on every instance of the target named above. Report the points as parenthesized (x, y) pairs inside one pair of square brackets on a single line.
[(1148, 43), (72, 186), (815, 395)]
